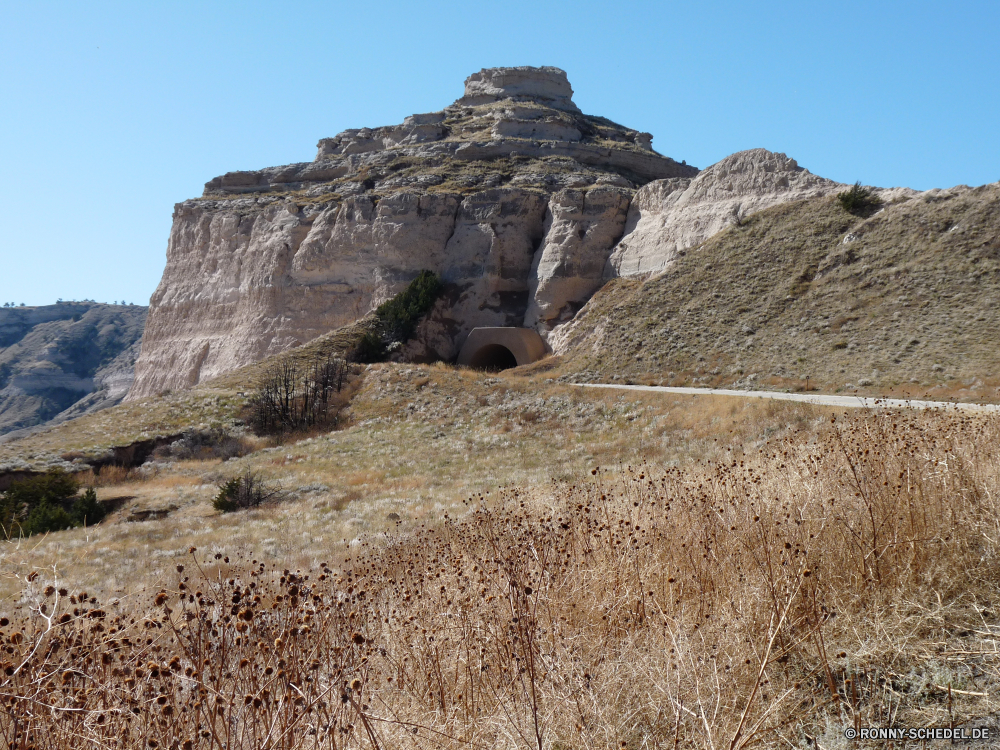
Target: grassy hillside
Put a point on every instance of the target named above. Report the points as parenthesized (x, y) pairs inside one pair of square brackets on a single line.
[(214, 405), (904, 301)]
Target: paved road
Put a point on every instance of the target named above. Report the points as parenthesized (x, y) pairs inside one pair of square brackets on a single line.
[(809, 398)]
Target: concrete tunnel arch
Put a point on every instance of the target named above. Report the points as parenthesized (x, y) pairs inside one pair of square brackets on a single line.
[(501, 348)]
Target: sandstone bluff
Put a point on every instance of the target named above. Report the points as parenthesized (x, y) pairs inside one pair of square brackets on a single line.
[(522, 204)]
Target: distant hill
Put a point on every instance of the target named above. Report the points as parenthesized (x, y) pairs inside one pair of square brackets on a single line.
[(61, 361), (905, 299)]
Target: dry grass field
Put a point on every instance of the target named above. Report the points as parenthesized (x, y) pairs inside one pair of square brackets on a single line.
[(767, 576), (416, 442)]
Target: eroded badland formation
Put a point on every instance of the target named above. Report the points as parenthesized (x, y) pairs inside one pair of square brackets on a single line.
[(521, 203)]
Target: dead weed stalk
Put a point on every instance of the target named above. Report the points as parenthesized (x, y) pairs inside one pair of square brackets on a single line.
[(749, 603)]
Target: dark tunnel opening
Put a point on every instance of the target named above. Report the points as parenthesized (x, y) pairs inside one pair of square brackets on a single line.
[(493, 358)]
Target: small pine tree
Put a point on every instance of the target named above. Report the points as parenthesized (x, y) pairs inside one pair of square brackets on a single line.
[(396, 319), (225, 501), (46, 517), (87, 510), (47, 503), (860, 201), (247, 490)]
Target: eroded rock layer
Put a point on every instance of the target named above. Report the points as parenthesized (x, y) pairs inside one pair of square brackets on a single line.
[(511, 194), (668, 216), (61, 361)]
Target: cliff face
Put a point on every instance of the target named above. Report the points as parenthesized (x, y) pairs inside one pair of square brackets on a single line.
[(64, 360), (521, 203), (511, 194), (668, 216)]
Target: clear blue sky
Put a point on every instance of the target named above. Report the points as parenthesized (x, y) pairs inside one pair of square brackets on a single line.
[(113, 112)]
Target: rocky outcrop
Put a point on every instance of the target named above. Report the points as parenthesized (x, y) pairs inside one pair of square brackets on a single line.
[(64, 360), (548, 85), (512, 195), (668, 216), (582, 229)]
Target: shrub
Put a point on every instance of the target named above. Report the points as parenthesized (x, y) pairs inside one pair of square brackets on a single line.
[(396, 319), (48, 503), (860, 201), (289, 398), (46, 517), (248, 490), (87, 510)]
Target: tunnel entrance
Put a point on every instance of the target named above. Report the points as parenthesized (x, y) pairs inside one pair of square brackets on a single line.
[(493, 358), (501, 348)]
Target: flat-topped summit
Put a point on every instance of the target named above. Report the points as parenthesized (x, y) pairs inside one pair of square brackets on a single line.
[(547, 85), (523, 114)]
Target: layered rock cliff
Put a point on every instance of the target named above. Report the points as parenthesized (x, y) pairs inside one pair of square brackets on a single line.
[(521, 203), (511, 194)]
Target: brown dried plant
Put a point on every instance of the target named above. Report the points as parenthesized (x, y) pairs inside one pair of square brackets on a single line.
[(752, 602)]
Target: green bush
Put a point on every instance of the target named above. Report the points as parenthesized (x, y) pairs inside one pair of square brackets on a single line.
[(46, 517), (396, 319), (225, 501), (860, 201), (87, 510), (248, 490), (48, 503)]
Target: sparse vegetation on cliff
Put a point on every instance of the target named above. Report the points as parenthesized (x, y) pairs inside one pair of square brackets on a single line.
[(859, 200), (396, 319)]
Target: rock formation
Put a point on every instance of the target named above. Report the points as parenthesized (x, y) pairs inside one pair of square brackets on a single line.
[(62, 361), (667, 216), (521, 203), (511, 194)]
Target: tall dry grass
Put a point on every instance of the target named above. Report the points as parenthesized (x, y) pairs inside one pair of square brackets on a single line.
[(767, 600)]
